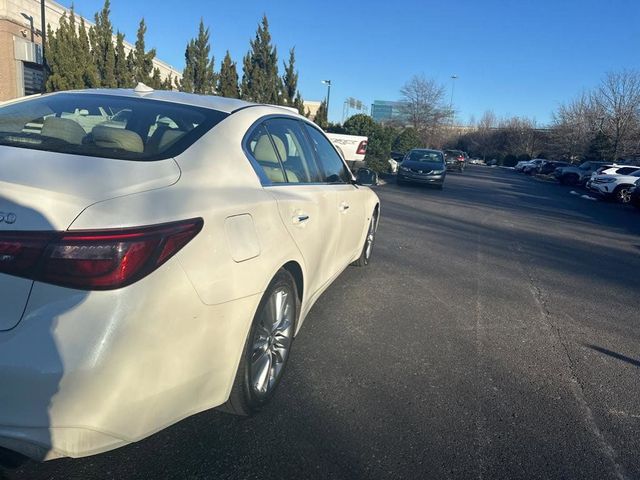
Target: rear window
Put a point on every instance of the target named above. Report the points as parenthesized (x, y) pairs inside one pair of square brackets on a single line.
[(105, 126)]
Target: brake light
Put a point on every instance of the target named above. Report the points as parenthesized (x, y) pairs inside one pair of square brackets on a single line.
[(362, 148), (94, 260)]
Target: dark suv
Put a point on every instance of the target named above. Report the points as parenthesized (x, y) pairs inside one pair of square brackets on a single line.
[(455, 160)]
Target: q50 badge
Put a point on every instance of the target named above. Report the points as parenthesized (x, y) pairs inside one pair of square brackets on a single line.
[(8, 218)]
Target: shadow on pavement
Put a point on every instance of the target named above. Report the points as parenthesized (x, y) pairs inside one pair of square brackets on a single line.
[(617, 356)]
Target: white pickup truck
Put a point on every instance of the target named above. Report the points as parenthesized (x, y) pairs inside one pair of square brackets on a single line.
[(352, 148)]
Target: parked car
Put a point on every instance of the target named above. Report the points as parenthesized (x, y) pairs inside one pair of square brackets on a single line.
[(549, 167), (531, 167), (455, 160), (145, 277), (520, 165), (615, 187), (423, 166), (615, 170), (577, 175), (635, 194), (353, 148)]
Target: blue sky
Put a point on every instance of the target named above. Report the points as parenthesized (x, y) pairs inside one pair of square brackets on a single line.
[(520, 57)]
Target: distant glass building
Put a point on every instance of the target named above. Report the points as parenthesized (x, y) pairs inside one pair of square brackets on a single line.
[(384, 110)]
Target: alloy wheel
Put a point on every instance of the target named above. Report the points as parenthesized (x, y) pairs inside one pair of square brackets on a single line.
[(624, 196), (272, 341)]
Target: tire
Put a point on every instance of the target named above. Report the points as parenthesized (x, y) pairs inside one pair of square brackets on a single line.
[(622, 195), (267, 347), (367, 248)]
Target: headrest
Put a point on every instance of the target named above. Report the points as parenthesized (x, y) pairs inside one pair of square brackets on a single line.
[(264, 151), (109, 137), (63, 129), (169, 137)]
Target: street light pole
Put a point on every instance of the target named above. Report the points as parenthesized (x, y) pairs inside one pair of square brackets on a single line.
[(328, 84), (43, 36), (453, 82)]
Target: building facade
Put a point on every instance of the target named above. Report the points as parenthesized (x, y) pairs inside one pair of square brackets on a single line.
[(385, 111), (21, 70)]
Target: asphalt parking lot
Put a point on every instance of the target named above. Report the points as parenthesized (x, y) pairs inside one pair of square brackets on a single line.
[(495, 335)]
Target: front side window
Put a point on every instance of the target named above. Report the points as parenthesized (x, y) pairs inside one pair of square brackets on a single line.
[(105, 125), (332, 165)]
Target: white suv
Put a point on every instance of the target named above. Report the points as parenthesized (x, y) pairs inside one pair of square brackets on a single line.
[(614, 186)]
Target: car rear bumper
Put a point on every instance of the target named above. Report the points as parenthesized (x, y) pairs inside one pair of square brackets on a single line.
[(86, 372)]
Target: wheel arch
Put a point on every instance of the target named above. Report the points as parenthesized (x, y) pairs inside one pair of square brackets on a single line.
[(295, 269)]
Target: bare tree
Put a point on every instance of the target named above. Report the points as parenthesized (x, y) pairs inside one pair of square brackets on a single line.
[(618, 101), (422, 104), (573, 127)]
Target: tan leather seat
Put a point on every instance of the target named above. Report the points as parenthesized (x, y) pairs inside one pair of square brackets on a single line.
[(269, 161), (63, 129), (109, 137)]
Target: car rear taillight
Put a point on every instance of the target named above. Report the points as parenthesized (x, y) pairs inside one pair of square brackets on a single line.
[(362, 148), (94, 260), (461, 158)]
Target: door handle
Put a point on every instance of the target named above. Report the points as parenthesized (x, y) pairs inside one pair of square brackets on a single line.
[(301, 218), (344, 206)]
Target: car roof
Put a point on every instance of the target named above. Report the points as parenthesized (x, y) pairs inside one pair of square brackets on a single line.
[(222, 104)]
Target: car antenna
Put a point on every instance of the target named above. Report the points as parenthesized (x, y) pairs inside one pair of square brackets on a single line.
[(142, 88)]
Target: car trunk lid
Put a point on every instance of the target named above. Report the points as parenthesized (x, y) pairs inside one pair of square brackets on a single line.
[(45, 191)]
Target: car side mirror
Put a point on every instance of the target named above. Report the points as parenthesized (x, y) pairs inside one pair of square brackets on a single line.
[(366, 176)]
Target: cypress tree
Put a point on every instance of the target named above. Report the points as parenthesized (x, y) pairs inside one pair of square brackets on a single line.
[(321, 115), (101, 37), (290, 80), (299, 103), (124, 79), (198, 75), (142, 60), (260, 80), (228, 78), (156, 80), (85, 58), (186, 84), (167, 83)]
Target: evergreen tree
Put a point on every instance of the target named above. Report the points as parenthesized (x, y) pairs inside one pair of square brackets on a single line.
[(186, 84), (198, 75), (69, 56), (299, 104), (260, 80), (101, 37), (228, 78), (85, 58), (321, 116), (167, 83), (290, 80), (156, 80), (142, 60), (124, 79)]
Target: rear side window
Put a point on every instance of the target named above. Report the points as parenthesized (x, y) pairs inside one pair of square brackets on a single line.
[(332, 165), (105, 126), (297, 157)]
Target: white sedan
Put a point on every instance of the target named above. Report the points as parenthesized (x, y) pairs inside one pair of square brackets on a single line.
[(161, 267)]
